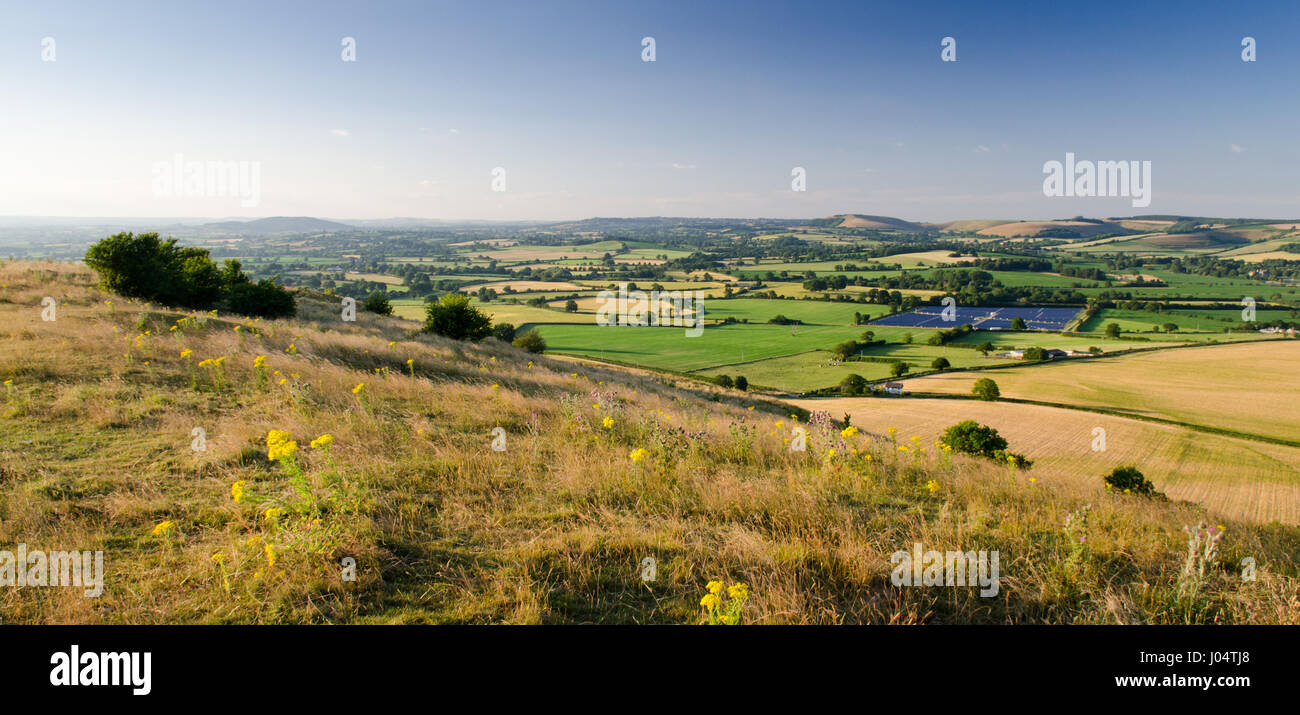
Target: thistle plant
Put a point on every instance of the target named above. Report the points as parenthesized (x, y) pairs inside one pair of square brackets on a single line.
[(1202, 553), (1076, 531)]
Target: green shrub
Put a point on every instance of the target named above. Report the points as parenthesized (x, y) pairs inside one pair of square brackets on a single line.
[(971, 437), (986, 389), (505, 332), (263, 298), (1129, 480), (530, 340), (453, 317), (378, 303)]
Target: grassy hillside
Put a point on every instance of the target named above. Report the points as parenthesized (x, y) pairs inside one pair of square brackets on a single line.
[(600, 469)]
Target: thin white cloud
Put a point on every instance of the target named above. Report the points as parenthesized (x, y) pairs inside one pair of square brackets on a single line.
[(675, 165), (340, 132), (981, 149), (1236, 148)]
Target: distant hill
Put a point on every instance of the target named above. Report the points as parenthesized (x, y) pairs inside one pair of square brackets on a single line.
[(277, 224), (1075, 228), (883, 223)]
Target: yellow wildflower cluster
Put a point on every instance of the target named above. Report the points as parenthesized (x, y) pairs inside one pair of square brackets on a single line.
[(237, 491), (322, 441), (724, 611), (638, 454), (164, 529), (279, 446)]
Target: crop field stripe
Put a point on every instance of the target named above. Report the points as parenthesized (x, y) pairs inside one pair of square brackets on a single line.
[(1117, 412)]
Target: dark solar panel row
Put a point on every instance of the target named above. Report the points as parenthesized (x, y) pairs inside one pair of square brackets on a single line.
[(983, 318)]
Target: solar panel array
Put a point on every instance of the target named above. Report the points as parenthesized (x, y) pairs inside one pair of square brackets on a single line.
[(983, 318)]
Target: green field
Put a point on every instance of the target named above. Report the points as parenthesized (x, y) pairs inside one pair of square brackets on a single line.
[(1188, 320)]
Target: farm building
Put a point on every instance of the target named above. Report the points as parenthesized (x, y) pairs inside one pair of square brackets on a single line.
[(894, 388)]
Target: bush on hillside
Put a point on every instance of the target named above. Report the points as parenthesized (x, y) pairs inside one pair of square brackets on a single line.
[(1129, 480), (378, 303), (505, 332), (971, 437), (530, 340), (453, 317), (158, 271)]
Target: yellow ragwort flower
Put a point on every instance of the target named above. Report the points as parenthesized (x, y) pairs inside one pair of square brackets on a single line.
[(322, 441), (848, 432), (237, 491), (638, 454), (714, 587), (164, 528), (357, 390)]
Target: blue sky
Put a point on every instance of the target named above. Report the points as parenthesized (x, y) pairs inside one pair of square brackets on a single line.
[(556, 93)]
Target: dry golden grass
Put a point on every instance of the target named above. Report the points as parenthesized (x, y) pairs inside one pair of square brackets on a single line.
[(1245, 387), (95, 452), (1231, 478)]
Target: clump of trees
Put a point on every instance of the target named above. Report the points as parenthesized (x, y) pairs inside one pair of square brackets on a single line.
[(853, 385), (739, 382), (159, 271)]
